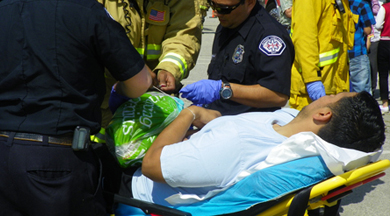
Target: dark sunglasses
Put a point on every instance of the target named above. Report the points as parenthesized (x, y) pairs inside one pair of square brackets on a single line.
[(224, 9)]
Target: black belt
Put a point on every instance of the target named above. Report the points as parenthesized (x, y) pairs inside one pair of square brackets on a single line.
[(59, 140)]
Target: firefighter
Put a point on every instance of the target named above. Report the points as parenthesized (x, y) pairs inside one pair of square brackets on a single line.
[(166, 33), (322, 32)]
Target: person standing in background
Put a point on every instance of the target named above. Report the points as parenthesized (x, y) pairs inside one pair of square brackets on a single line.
[(359, 65), (323, 69), (204, 7), (373, 41), (286, 11), (383, 23)]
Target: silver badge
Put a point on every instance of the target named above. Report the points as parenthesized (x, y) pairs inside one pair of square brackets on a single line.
[(238, 54)]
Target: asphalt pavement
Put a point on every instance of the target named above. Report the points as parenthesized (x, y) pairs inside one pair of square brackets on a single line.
[(371, 199)]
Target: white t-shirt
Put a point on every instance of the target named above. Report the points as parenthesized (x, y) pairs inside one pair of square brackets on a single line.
[(213, 157)]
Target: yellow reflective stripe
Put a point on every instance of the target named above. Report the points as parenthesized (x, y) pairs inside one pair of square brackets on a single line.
[(99, 137), (153, 51), (203, 7), (179, 61), (141, 51), (329, 57)]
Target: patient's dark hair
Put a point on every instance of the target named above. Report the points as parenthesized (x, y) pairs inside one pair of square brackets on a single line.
[(356, 123)]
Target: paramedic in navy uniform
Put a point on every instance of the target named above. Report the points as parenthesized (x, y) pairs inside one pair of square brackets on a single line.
[(250, 68), (53, 55)]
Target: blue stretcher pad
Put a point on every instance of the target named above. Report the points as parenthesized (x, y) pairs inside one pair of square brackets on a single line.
[(262, 186)]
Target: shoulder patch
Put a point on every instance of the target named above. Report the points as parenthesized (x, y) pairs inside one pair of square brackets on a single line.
[(157, 15), (272, 45)]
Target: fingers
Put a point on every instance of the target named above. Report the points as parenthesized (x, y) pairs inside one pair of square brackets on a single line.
[(166, 81)]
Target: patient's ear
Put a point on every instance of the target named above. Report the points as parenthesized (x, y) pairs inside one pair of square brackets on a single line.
[(323, 114)]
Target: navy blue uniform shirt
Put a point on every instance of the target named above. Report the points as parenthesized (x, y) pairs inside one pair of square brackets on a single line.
[(52, 60), (259, 51)]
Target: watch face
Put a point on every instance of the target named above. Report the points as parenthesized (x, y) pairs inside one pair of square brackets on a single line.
[(226, 93)]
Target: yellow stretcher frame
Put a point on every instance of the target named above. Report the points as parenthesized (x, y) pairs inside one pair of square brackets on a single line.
[(319, 195), (325, 193)]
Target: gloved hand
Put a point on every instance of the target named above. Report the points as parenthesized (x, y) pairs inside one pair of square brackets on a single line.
[(202, 92), (116, 99), (315, 90)]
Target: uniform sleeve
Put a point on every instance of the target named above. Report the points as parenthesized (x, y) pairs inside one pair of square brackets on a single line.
[(275, 53), (116, 51), (181, 45), (306, 14)]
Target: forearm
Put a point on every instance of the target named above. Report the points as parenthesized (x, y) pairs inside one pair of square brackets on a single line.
[(136, 85), (174, 133), (367, 30), (257, 96)]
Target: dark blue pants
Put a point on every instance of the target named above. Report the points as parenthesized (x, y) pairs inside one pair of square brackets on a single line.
[(45, 179)]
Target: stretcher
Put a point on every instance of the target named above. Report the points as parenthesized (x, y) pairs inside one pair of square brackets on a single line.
[(326, 194)]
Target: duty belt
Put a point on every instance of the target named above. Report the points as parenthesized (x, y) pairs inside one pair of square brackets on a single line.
[(59, 140)]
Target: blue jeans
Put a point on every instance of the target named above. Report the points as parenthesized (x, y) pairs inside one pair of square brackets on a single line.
[(360, 72)]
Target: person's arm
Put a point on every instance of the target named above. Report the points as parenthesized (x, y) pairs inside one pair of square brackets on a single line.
[(181, 46), (257, 96), (306, 15), (174, 133), (207, 91), (367, 30), (380, 18), (368, 19), (136, 85)]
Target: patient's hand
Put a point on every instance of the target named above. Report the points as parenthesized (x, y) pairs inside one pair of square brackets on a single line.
[(203, 116)]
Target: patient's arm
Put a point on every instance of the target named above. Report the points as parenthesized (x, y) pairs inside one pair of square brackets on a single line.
[(174, 133)]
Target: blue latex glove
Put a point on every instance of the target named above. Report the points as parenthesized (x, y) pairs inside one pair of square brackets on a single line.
[(116, 100), (315, 90), (202, 92)]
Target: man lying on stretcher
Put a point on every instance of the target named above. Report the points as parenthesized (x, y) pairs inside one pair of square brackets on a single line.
[(227, 148)]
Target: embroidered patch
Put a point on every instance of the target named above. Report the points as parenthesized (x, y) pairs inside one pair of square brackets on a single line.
[(156, 15), (238, 54), (272, 45)]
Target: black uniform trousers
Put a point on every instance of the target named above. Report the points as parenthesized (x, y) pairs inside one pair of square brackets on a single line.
[(38, 178)]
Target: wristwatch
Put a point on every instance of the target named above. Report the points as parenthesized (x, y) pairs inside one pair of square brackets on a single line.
[(226, 91)]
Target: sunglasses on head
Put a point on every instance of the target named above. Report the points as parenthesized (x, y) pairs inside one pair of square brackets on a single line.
[(224, 9)]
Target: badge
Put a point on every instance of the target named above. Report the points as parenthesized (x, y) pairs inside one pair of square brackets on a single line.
[(272, 45), (238, 54)]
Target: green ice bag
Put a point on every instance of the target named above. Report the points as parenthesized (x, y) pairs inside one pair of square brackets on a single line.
[(136, 124)]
